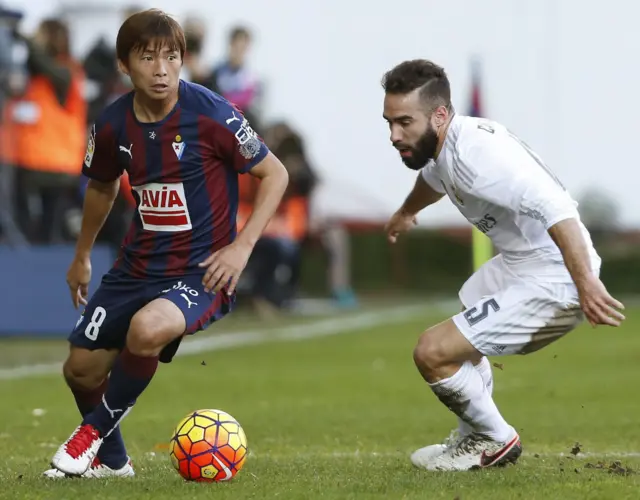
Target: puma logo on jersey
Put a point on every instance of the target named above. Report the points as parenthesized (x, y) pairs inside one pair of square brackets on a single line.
[(128, 151), (234, 118)]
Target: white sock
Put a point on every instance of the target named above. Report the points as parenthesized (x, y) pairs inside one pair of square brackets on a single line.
[(485, 371), (466, 395)]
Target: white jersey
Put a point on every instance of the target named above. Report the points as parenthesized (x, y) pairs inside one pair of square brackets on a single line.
[(504, 189)]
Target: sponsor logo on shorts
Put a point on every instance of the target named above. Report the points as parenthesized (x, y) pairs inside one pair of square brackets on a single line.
[(182, 288), (187, 293)]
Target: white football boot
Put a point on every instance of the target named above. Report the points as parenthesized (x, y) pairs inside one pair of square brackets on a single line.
[(77, 453), (424, 455), (473, 451), (97, 470)]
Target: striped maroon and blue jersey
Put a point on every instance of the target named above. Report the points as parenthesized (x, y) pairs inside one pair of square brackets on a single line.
[(184, 176)]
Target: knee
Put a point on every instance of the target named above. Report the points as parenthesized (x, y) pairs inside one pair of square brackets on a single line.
[(82, 378), (429, 354), (145, 336)]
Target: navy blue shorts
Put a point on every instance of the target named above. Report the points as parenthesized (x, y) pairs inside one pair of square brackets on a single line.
[(105, 320)]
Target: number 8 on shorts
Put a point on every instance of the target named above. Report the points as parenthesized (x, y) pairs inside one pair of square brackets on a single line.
[(97, 318)]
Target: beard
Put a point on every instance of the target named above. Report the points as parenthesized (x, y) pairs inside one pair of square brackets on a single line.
[(423, 151)]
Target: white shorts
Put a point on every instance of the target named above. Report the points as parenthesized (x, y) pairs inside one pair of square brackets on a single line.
[(506, 314)]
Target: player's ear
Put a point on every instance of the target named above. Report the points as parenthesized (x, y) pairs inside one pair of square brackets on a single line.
[(122, 67), (441, 114)]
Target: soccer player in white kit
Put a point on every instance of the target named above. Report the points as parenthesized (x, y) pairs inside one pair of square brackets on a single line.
[(539, 286)]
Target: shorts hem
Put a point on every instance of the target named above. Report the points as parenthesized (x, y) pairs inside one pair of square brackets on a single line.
[(461, 323)]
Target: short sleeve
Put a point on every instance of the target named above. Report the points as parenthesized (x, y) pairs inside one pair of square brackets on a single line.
[(512, 177), (100, 161), (237, 144)]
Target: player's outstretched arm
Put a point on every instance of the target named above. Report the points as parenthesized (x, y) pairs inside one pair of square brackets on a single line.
[(98, 201), (421, 196), (599, 307)]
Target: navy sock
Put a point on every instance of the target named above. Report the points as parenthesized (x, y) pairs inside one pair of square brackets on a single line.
[(112, 453), (129, 377)]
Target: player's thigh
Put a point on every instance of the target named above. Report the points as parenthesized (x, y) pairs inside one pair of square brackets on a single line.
[(105, 319), (191, 309), (519, 320), (86, 369), (444, 343), (154, 326)]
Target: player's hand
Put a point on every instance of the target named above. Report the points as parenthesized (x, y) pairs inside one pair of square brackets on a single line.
[(225, 266), (599, 307), (78, 278), (400, 222)]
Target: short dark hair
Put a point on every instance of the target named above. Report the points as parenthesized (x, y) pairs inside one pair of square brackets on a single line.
[(58, 32), (147, 27), (239, 32), (421, 74)]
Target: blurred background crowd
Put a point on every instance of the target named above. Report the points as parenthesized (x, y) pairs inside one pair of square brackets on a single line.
[(319, 110), (50, 100)]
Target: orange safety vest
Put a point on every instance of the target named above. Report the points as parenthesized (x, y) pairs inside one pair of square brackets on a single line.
[(289, 221), (39, 133)]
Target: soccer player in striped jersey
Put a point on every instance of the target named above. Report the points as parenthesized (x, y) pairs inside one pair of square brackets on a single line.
[(183, 148)]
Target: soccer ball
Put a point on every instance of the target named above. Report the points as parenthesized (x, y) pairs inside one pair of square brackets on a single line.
[(208, 446)]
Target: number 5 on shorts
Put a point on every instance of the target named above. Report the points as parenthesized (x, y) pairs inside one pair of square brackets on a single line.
[(473, 316), (97, 318)]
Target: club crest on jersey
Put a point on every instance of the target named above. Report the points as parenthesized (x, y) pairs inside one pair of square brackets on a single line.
[(163, 207), (179, 147), (456, 195), (452, 189), (91, 147)]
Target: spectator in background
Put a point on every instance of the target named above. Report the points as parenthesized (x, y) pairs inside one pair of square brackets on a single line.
[(273, 272), (106, 84), (195, 69), (46, 128), (105, 81), (12, 76), (235, 80), (274, 266), (333, 236), (335, 239)]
